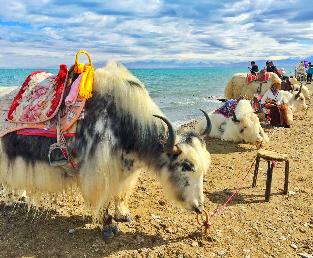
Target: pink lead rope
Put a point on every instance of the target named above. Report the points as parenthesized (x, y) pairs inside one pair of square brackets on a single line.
[(206, 223)]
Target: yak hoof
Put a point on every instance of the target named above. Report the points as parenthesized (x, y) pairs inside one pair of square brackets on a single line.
[(110, 231), (123, 218)]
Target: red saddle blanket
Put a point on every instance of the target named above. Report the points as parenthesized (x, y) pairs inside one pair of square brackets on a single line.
[(68, 119), (251, 77), (39, 98)]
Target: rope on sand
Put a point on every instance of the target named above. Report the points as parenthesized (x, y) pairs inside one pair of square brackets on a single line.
[(206, 223)]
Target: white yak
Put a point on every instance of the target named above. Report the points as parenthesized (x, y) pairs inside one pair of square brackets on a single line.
[(123, 132), (295, 100), (242, 126), (296, 86), (238, 86)]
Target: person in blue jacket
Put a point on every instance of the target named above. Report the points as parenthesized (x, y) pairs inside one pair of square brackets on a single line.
[(309, 73)]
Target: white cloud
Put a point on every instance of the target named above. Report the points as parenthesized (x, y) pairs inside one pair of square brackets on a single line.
[(145, 30), (136, 6)]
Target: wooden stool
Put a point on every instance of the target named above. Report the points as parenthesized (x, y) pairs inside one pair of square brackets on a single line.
[(270, 156)]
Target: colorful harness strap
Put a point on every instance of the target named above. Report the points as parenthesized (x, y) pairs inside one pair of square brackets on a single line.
[(87, 71)]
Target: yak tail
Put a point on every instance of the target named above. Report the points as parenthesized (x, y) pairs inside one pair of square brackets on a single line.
[(228, 92)]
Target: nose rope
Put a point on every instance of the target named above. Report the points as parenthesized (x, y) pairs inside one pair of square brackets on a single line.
[(206, 223)]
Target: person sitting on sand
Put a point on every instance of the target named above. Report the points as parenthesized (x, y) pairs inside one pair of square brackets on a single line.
[(272, 95), (254, 68), (270, 103)]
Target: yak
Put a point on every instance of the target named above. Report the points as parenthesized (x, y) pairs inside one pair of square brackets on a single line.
[(242, 125), (238, 86), (123, 133)]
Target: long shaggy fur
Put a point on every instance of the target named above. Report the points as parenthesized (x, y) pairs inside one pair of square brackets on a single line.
[(6, 90), (296, 103), (248, 129), (238, 86), (120, 102), (117, 138)]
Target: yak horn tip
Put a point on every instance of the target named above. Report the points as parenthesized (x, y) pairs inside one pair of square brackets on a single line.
[(209, 124), (170, 143)]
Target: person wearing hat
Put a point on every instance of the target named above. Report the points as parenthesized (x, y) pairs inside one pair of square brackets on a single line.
[(271, 101), (272, 96)]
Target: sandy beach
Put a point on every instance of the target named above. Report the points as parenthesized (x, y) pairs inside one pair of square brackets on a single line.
[(249, 227), (101, 87)]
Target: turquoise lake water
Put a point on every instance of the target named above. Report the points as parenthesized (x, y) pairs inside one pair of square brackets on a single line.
[(180, 93)]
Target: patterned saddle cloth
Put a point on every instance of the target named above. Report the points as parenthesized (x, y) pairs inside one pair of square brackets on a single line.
[(32, 109), (228, 108), (258, 77), (68, 119), (39, 98)]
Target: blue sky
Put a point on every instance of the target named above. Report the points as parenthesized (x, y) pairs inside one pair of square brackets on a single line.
[(49, 32)]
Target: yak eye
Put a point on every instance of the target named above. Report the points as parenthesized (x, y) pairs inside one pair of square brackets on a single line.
[(242, 129), (187, 166)]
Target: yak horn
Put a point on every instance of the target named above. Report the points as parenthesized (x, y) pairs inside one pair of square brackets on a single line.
[(208, 123), (298, 94), (170, 143), (235, 118)]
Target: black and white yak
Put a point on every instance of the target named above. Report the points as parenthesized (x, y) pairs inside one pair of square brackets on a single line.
[(123, 132)]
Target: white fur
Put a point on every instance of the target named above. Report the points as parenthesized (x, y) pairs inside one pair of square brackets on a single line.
[(103, 178), (133, 100), (248, 129), (296, 104), (304, 90), (6, 90), (238, 86), (193, 194)]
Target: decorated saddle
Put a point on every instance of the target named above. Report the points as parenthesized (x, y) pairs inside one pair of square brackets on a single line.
[(39, 98), (68, 117), (261, 77), (228, 108), (49, 105)]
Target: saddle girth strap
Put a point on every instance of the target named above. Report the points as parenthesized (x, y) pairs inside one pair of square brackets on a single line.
[(62, 146)]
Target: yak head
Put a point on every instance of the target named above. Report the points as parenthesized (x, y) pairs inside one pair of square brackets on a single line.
[(297, 101), (182, 165), (248, 124)]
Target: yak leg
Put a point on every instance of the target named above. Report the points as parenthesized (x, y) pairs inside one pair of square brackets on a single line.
[(109, 228), (122, 213)]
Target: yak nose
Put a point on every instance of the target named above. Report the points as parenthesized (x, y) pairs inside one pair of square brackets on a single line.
[(259, 143)]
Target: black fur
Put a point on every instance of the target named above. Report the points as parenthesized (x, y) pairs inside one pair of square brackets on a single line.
[(127, 163), (130, 137), (188, 137), (30, 148)]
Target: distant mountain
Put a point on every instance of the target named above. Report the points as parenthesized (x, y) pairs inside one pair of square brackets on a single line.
[(167, 64), (290, 62)]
